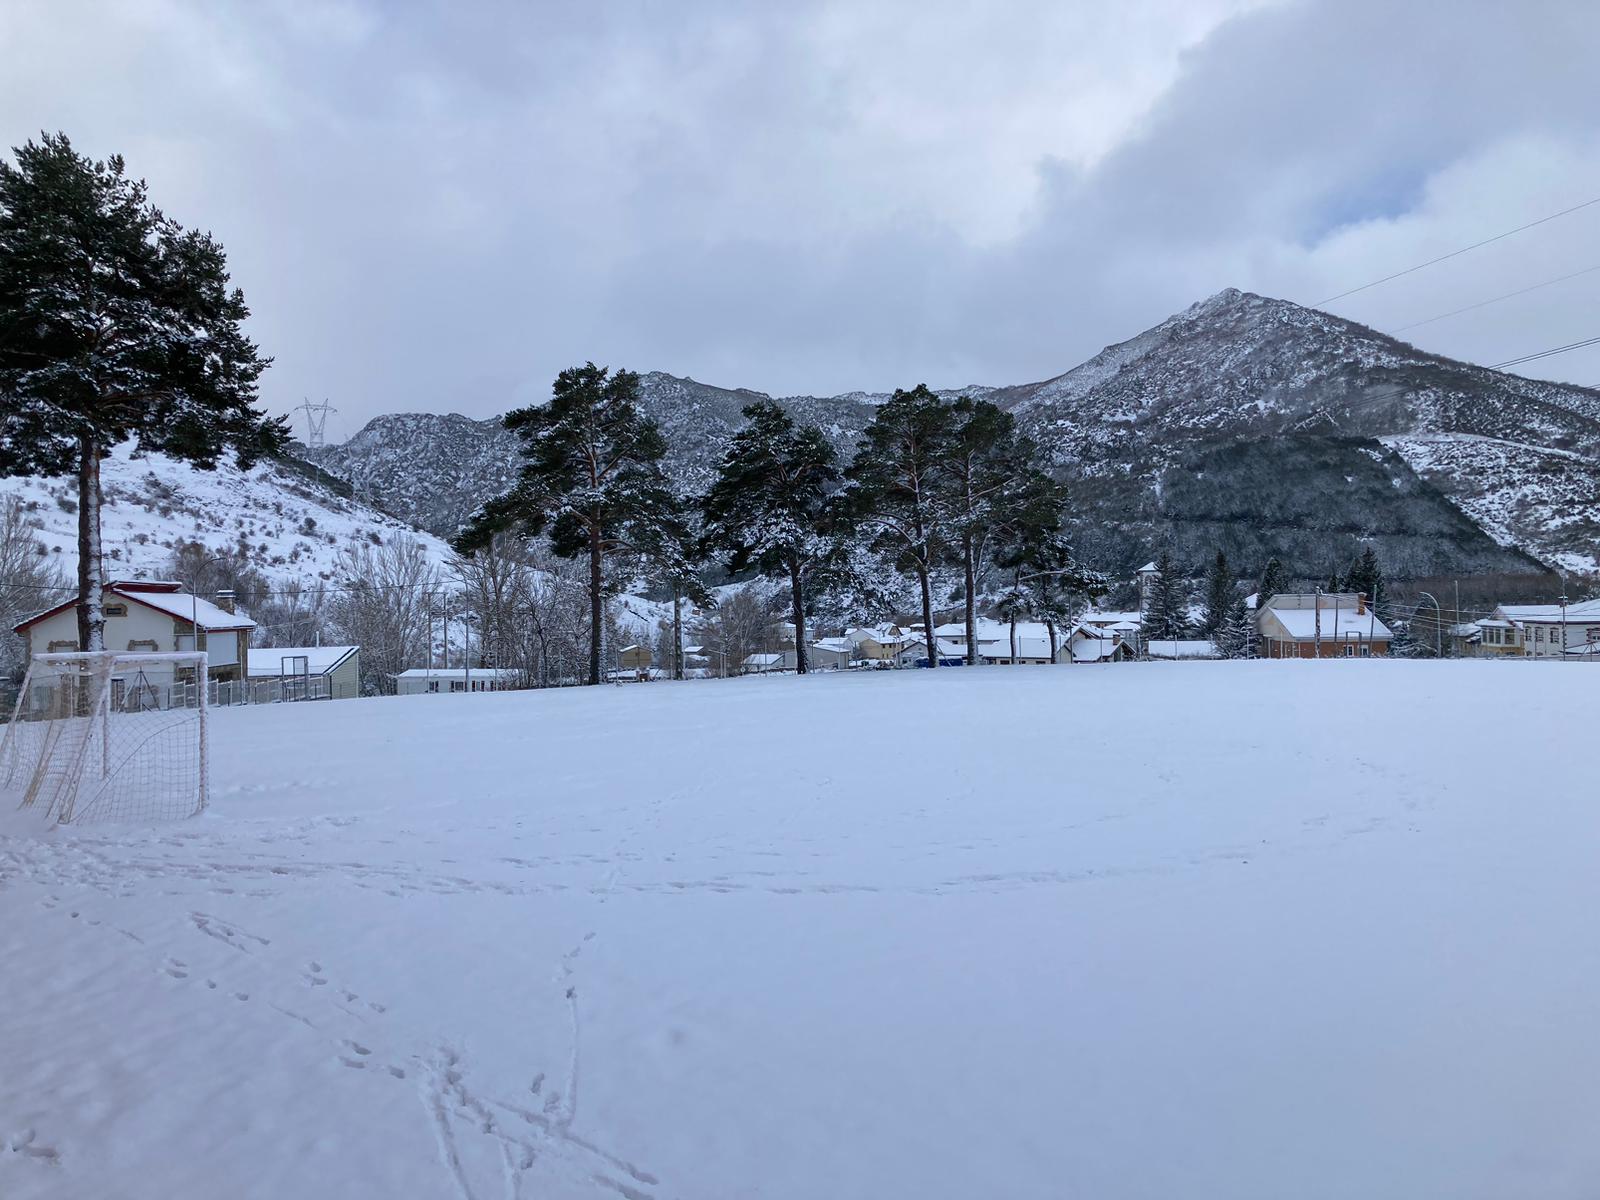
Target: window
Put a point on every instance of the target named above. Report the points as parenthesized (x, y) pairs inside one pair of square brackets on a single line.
[(116, 610), (1366, 651), (1349, 650), (457, 686), (433, 685)]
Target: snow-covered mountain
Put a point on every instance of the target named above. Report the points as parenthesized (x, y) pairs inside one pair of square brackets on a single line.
[(1244, 422), (288, 523)]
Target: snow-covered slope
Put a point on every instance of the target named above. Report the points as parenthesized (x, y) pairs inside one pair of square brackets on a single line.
[(1519, 494), (1246, 939), (288, 524)]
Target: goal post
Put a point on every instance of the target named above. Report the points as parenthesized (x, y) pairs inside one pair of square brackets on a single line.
[(110, 736)]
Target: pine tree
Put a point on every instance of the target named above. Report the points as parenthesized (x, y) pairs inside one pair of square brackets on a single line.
[(1166, 612), (1031, 543), (978, 466), (591, 478), (669, 552), (1235, 637), (116, 324), (1219, 594), (897, 491), (769, 503), (1274, 582), (1365, 575)]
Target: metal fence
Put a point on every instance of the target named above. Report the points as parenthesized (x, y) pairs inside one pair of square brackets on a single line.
[(285, 689)]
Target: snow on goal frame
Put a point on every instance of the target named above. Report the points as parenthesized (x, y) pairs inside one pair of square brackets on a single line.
[(109, 736)]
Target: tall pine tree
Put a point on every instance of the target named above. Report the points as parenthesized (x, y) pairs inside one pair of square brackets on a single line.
[(669, 552), (768, 504), (591, 479), (1274, 582), (1166, 610), (1365, 575), (1235, 637), (979, 466), (1219, 594), (116, 324), (897, 490)]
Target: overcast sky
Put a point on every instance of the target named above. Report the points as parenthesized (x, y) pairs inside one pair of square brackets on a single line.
[(439, 206)]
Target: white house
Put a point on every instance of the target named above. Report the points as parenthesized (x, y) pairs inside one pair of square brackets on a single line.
[(1542, 630), (427, 681), (154, 616), (1094, 644), (761, 664), (830, 653), (914, 651), (320, 672)]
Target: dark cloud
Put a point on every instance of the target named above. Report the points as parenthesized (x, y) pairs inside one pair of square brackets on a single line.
[(439, 206)]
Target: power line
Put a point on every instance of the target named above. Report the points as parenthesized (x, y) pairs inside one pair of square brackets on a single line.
[(1511, 362), (1456, 312), (1457, 253)]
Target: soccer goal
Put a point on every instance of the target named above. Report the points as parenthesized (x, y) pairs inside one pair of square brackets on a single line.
[(108, 736)]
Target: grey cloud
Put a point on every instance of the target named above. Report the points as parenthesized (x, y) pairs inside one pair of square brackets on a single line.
[(439, 207)]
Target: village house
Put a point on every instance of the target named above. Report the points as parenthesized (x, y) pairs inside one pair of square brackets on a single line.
[(1321, 625), (154, 616), (431, 681), (634, 658), (1095, 644), (879, 643), (830, 654), (1541, 630)]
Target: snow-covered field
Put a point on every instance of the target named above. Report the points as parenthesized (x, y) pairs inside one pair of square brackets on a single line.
[(1167, 930)]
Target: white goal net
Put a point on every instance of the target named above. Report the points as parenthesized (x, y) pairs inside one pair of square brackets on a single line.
[(106, 736)]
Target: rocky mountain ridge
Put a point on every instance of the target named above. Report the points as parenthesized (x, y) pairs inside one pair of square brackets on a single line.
[(1244, 422)]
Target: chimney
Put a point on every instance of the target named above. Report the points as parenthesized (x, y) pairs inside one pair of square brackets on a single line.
[(1361, 604), (225, 600)]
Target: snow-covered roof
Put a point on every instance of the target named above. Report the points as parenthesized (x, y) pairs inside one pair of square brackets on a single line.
[(162, 597), (266, 662), (763, 660), (1129, 619), (1094, 649), (184, 606), (1584, 611), (1182, 648), (1027, 647), (836, 645), (1337, 625), (1149, 566)]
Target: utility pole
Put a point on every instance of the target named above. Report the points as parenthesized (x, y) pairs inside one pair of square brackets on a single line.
[(1457, 625), (316, 422)]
